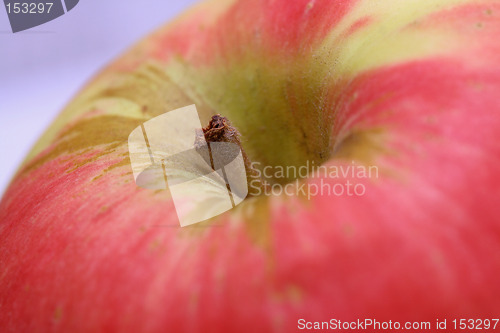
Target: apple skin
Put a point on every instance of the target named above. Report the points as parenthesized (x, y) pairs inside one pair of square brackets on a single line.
[(409, 86)]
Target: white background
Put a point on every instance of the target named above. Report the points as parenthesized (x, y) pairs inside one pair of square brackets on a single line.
[(43, 67)]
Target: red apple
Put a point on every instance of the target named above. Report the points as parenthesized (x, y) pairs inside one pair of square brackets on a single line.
[(411, 87)]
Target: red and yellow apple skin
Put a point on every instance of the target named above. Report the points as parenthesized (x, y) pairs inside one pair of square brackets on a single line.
[(411, 87)]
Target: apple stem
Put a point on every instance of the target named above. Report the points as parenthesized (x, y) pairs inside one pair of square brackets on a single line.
[(220, 129)]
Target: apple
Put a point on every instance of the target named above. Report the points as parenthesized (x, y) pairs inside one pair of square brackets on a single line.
[(408, 87)]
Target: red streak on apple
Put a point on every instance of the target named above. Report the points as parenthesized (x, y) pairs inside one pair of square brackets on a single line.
[(271, 26), (358, 25)]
